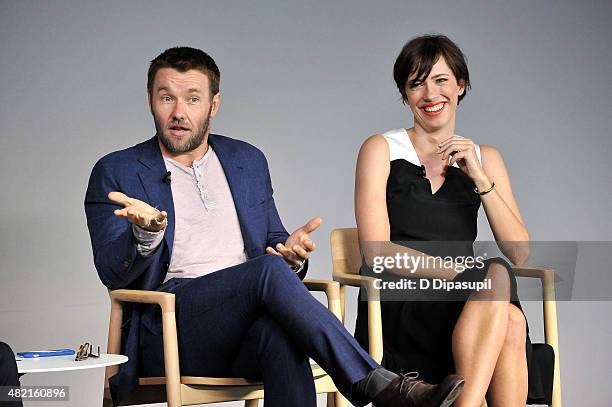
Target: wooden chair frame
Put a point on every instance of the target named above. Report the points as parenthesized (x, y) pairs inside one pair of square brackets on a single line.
[(179, 390), (346, 258)]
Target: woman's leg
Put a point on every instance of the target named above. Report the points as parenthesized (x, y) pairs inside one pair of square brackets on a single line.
[(509, 382), (479, 336)]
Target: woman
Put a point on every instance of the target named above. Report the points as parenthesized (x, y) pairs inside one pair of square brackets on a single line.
[(427, 184)]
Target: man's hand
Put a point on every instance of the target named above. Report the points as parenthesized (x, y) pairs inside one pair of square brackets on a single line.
[(298, 246), (139, 213)]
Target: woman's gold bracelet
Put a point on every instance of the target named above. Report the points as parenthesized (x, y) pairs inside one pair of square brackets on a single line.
[(486, 191)]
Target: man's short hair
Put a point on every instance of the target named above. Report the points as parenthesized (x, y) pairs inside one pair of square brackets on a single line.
[(421, 53), (184, 59)]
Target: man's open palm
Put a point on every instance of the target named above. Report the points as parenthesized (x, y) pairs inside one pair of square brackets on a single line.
[(138, 212)]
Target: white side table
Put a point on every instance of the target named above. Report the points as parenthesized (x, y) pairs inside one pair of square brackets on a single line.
[(65, 364)]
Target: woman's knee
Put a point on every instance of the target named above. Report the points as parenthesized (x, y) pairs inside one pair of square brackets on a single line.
[(516, 331), (500, 281)]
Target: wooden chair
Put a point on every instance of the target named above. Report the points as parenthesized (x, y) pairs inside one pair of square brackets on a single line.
[(179, 390), (346, 257)]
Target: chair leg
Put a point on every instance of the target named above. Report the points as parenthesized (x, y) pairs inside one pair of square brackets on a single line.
[(251, 403), (343, 302)]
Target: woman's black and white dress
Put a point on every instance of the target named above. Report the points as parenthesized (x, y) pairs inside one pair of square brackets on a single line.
[(417, 334)]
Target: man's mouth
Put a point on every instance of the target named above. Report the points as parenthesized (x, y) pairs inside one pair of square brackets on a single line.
[(179, 130), (433, 109)]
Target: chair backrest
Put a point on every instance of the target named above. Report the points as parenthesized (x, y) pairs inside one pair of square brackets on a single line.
[(345, 251)]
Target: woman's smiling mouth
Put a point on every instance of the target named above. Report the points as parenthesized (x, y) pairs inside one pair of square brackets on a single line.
[(433, 109)]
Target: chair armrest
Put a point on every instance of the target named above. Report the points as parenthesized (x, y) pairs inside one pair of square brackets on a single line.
[(163, 299), (355, 280), (118, 297), (169, 333), (544, 273), (533, 271), (375, 336), (329, 287), (332, 292)]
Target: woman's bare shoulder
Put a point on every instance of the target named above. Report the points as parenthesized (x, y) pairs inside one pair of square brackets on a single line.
[(375, 145)]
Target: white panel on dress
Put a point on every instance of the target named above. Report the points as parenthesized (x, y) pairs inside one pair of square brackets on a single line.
[(400, 146)]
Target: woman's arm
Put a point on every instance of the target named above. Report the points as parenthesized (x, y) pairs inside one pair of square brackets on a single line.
[(371, 211), (370, 190), (500, 207)]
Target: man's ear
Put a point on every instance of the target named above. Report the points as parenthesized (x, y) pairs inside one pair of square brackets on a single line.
[(149, 101), (214, 104)]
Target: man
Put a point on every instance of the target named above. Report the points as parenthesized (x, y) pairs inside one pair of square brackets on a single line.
[(192, 213)]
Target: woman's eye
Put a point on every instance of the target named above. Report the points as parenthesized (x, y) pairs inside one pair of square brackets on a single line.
[(441, 80), (416, 85)]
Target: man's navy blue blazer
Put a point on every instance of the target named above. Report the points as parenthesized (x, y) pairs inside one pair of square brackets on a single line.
[(140, 173)]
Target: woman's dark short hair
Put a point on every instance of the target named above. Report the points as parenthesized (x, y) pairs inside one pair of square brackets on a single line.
[(184, 59), (421, 53)]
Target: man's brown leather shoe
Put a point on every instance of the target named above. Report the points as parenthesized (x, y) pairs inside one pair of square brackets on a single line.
[(406, 391)]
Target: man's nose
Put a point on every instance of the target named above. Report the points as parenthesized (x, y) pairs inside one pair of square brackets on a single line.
[(178, 113)]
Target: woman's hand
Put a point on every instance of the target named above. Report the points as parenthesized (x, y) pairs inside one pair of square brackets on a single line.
[(461, 150)]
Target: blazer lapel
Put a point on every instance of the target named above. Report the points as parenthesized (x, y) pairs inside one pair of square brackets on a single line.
[(159, 193), (232, 161)]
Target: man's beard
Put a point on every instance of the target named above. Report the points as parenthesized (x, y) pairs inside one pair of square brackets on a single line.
[(194, 141)]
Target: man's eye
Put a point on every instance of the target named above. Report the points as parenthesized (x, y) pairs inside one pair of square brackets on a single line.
[(194, 99), (166, 99)]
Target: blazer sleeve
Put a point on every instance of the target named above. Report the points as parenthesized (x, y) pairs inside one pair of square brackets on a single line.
[(114, 246)]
